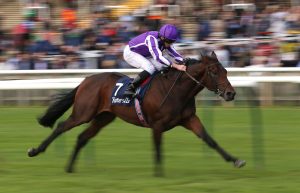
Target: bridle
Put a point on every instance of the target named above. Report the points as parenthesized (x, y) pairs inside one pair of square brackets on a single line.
[(213, 77)]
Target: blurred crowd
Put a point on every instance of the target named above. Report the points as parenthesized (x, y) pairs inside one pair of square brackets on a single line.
[(266, 37), (260, 37)]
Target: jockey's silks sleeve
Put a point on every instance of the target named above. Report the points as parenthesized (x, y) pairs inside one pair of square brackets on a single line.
[(172, 52), (156, 53)]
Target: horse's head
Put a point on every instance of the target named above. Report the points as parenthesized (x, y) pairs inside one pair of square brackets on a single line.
[(212, 75)]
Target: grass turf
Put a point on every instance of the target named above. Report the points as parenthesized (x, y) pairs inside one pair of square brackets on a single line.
[(120, 160)]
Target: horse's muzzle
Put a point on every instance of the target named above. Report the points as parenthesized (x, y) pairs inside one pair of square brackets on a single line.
[(229, 95)]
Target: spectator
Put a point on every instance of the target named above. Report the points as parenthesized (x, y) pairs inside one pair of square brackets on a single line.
[(13, 59), (74, 62), (223, 55), (68, 16), (265, 54), (59, 62), (25, 62), (108, 33), (293, 19), (234, 28), (38, 62), (204, 28), (278, 24), (218, 26), (247, 23)]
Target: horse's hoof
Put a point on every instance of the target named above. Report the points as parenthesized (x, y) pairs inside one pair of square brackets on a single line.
[(32, 152), (69, 170), (239, 163), (158, 172)]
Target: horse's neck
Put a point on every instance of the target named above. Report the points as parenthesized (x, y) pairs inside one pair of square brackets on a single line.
[(189, 87)]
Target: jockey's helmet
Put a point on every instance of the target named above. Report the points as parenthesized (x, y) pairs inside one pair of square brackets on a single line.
[(169, 32)]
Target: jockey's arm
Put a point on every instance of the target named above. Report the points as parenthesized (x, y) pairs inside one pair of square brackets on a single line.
[(156, 52), (173, 53)]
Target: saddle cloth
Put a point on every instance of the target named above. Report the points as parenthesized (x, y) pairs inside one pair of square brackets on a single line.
[(118, 98)]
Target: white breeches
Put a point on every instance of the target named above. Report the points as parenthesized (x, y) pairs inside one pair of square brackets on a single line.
[(139, 61)]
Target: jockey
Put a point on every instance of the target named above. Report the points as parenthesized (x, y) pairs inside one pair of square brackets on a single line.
[(145, 52)]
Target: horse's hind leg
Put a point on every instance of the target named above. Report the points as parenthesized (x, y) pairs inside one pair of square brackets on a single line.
[(61, 128), (96, 125), (196, 126)]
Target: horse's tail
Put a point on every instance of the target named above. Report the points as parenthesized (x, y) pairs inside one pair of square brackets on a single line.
[(61, 104)]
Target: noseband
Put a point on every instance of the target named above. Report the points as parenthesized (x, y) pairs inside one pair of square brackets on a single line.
[(213, 77)]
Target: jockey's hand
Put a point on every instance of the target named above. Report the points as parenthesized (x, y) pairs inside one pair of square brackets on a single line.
[(185, 60), (179, 67)]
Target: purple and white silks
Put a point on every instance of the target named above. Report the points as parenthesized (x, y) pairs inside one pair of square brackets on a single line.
[(149, 45)]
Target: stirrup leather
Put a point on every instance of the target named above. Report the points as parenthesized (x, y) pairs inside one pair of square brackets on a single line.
[(130, 90)]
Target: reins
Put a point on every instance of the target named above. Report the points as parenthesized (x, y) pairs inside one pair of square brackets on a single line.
[(178, 76), (216, 90), (194, 79)]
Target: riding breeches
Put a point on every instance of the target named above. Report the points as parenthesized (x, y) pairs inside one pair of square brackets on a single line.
[(138, 61)]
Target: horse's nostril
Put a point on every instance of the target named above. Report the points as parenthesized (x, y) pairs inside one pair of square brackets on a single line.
[(230, 94), (233, 94)]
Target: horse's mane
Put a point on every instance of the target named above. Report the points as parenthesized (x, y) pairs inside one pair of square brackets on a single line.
[(204, 52), (171, 72), (191, 61)]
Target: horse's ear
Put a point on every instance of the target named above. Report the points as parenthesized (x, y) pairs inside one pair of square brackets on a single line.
[(214, 55), (201, 55)]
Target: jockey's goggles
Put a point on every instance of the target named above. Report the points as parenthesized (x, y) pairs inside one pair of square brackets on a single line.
[(169, 41)]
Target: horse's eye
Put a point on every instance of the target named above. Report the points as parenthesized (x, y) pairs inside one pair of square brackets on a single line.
[(214, 71)]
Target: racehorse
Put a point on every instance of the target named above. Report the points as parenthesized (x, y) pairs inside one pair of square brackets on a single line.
[(91, 102)]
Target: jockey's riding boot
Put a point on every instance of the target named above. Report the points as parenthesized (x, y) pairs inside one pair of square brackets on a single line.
[(130, 90)]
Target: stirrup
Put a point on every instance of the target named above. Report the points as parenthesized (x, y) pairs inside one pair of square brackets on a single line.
[(130, 91)]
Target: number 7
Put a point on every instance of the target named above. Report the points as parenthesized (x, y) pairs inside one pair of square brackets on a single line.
[(119, 85)]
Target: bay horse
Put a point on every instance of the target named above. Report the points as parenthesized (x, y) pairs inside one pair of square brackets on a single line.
[(91, 102)]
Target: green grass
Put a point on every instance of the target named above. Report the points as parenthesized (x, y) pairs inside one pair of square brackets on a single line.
[(120, 160)]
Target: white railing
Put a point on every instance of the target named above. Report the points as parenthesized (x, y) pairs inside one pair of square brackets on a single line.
[(65, 71), (94, 71), (68, 78), (18, 82), (68, 83)]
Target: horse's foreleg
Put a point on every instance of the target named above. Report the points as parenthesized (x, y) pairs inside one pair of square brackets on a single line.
[(61, 128), (97, 124), (157, 139), (194, 124)]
